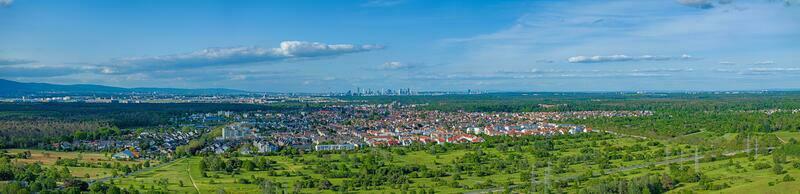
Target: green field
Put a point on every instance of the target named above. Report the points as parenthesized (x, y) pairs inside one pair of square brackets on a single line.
[(184, 175), (187, 169), (290, 169), (49, 158)]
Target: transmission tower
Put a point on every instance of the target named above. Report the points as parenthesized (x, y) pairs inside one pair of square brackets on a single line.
[(533, 180), (696, 161), (747, 142), (666, 155), (547, 177), (756, 156)]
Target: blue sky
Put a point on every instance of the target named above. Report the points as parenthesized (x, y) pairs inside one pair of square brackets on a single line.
[(320, 46)]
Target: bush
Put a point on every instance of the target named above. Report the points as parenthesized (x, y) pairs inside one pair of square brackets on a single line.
[(761, 166), (778, 169), (788, 178)]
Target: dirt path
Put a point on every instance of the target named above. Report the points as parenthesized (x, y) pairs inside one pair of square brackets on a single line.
[(161, 165), (189, 171), (779, 138)]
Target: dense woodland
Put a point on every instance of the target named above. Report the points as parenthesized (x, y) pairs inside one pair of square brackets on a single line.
[(527, 102), (24, 125)]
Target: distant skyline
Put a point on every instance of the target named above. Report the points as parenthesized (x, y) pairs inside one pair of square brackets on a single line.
[(335, 46)]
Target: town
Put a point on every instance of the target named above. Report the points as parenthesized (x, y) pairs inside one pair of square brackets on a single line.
[(344, 127)]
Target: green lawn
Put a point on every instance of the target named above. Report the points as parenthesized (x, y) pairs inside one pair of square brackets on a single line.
[(787, 135), (182, 169)]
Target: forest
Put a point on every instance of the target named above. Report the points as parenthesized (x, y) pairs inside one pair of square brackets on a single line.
[(25, 125), (576, 101)]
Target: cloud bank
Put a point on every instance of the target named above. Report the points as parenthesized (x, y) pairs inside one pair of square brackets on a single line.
[(774, 70), (15, 61), (621, 58), (764, 63), (395, 65), (6, 3), (37, 71), (288, 50), (702, 4), (382, 3)]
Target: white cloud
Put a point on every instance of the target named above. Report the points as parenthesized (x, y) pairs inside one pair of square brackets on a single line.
[(708, 4), (37, 71), (288, 50), (564, 30), (548, 74), (394, 65), (599, 59), (620, 58), (776, 69), (382, 3), (15, 61), (724, 70), (726, 63), (764, 63), (6, 3), (702, 4), (769, 71), (664, 70)]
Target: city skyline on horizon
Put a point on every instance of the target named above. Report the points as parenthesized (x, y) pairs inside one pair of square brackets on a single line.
[(327, 46)]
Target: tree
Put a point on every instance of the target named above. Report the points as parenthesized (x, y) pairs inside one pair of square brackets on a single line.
[(788, 178), (267, 187), (778, 169), (525, 177), (325, 184), (249, 165), (203, 165), (97, 187)]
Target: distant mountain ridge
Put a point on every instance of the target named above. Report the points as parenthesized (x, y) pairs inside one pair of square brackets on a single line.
[(13, 88)]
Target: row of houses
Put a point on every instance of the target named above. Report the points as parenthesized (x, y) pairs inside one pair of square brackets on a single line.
[(334, 147), (530, 129), (386, 138), (127, 154)]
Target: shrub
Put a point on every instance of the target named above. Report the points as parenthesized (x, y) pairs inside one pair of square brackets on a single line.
[(761, 166), (788, 178)]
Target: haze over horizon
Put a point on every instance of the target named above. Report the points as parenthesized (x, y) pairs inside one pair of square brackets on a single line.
[(322, 46)]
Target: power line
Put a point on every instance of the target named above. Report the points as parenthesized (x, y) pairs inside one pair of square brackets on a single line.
[(696, 161)]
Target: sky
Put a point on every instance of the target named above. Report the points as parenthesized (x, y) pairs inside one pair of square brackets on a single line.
[(443, 45)]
